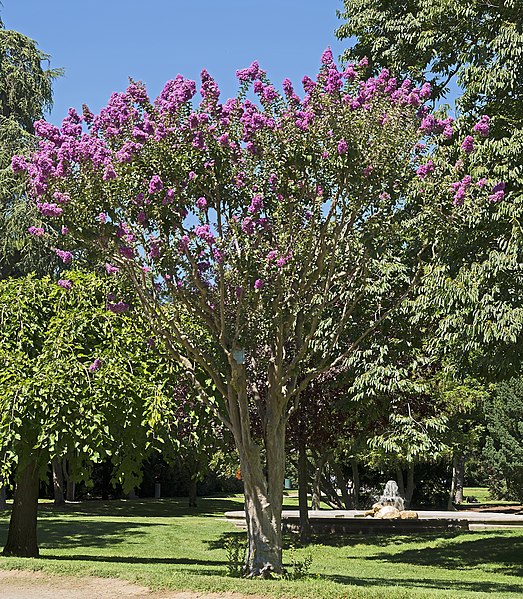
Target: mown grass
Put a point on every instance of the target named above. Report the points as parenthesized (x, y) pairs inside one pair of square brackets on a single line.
[(482, 494), (165, 544)]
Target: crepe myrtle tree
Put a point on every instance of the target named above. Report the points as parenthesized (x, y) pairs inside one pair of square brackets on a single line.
[(286, 228)]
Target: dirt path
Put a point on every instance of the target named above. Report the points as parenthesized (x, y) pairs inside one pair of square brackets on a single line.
[(19, 584)]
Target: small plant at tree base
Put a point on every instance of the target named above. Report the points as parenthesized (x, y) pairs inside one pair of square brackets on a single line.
[(299, 569), (235, 547)]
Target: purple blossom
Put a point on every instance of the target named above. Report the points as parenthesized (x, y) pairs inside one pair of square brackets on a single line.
[(326, 57), (482, 127), (204, 232), (102, 217), (117, 308), (65, 283), (271, 255), (65, 230), (18, 164), (468, 144), (342, 147), (258, 284), (36, 231), (155, 184), (425, 169), (250, 73), (109, 173), (248, 225), (498, 192), (126, 252), (256, 205), (61, 198), (281, 262), (48, 209), (64, 255), (95, 365), (201, 203), (481, 183), (367, 171), (110, 269)]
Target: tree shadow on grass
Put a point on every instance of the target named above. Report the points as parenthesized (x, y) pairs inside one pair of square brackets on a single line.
[(137, 508), (493, 588), (66, 534), (503, 554), (123, 559)]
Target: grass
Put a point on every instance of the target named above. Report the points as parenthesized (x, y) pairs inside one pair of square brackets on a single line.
[(483, 496), (164, 544)]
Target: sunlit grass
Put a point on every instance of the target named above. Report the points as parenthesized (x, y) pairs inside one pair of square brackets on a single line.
[(165, 544)]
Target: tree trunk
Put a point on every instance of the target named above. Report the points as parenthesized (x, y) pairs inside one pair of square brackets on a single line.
[(21, 538), (70, 485), (303, 484), (355, 483), (456, 485), (316, 485), (460, 476), (401, 482), (58, 481), (2, 498), (342, 485), (410, 485), (263, 487), (193, 484)]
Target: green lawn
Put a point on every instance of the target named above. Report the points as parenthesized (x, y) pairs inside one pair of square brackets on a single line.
[(164, 544), (483, 496)]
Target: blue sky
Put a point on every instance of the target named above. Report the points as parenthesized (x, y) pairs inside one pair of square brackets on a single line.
[(102, 43)]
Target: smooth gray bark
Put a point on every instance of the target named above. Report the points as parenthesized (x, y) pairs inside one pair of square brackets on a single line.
[(303, 487)]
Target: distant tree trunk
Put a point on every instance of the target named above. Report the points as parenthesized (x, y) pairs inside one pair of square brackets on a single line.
[(316, 486), (410, 485), (456, 485), (342, 485), (58, 481), (70, 485), (193, 488), (460, 478), (2, 498), (303, 484), (21, 538), (355, 483), (401, 483)]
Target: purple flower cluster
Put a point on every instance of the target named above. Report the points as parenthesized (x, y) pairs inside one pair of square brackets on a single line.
[(498, 192), (65, 283), (36, 231), (201, 203), (117, 308), (256, 205), (425, 169), (175, 93), (460, 190), (110, 269), (155, 184), (204, 232), (65, 256), (250, 73), (482, 127), (48, 209), (468, 144), (96, 365)]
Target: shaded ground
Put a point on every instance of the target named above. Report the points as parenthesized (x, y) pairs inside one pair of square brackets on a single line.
[(17, 584)]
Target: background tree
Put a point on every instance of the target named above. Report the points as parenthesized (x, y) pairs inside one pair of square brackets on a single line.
[(287, 230), (25, 95), (504, 444), (74, 382)]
